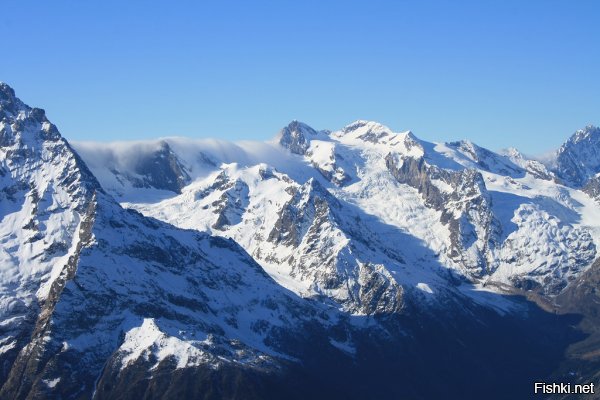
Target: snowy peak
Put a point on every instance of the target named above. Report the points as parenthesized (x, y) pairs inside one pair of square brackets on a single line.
[(378, 137), (296, 137), (590, 133), (534, 167), (372, 132), (87, 287), (21, 123), (369, 131), (47, 197), (28, 139), (9, 104), (578, 159), (486, 159), (514, 155)]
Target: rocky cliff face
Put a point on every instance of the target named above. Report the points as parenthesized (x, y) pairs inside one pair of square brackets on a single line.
[(592, 187), (45, 201), (327, 255), (161, 170), (296, 137), (578, 159), (465, 206)]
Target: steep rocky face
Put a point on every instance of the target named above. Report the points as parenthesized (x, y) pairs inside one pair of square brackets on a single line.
[(462, 198), (231, 205), (161, 170), (125, 168), (158, 169), (578, 159), (326, 254), (300, 233), (592, 188), (296, 137), (45, 199), (546, 264)]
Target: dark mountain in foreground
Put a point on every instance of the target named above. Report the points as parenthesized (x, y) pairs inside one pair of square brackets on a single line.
[(330, 265)]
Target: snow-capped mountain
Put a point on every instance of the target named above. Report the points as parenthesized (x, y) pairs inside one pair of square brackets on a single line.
[(318, 209), (89, 288), (324, 264)]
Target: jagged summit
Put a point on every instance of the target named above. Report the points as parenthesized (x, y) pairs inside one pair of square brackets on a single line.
[(18, 120), (578, 159), (590, 132), (6, 92), (11, 106), (296, 137), (28, 136)]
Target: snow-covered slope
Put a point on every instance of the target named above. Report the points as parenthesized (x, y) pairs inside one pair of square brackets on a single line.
[(44, 201), (325, 213), (87, 287), (347, 264)]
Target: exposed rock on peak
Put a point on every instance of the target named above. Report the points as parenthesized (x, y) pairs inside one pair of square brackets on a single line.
[(590, 132), (368, 131), (7, 94), (296, 137), (18, 121), (578, 159), (465, 204), (161, 170)]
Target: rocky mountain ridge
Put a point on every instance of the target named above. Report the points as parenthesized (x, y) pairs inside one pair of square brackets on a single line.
[(210, 269), (482, 208)]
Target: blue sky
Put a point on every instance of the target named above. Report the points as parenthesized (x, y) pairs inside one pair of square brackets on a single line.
[(500, 73)]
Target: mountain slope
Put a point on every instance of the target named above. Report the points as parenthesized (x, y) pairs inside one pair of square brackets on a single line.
[(348, 280), (439, 209), (89, 287)]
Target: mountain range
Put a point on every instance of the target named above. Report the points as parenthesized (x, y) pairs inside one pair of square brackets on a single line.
[(357, 263)]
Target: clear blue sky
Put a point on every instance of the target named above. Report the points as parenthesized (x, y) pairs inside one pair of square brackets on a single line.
[(523, 73)]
